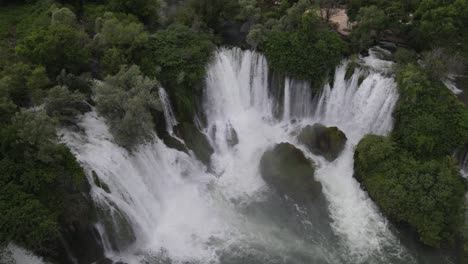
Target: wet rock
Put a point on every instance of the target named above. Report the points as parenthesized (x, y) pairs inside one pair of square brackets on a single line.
[(195, 141), (161, 131), (289, 172), (231, 137), (99, 183), (117, 227), (82, 242), (105, 261), (321, 140), (174, 143)]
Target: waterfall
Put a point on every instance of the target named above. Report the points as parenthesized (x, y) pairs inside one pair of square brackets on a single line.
[(169, 116), (179, 210), (13, 254), (297, 99)]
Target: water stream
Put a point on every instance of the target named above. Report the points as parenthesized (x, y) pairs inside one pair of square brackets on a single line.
[(183, 212)]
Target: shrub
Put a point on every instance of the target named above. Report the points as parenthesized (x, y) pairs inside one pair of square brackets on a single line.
[(178, 56), (65, 105), (303, 56), (126, 100), (36, 177), (426, 195), (57, 47), (430, 121)]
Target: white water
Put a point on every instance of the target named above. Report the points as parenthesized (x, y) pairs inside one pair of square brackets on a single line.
[(229, 215), (13, 254), (171, 121)]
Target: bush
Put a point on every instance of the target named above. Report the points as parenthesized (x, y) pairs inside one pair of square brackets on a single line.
[(426, 195), (57, 47), (149, 11), (126, 101), (23, 84), (36, 177), (304, 56), (371, 21), (65, 105), (430, 121), (178, 56)]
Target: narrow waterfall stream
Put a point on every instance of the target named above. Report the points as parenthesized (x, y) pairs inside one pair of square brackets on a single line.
[(181, 212)]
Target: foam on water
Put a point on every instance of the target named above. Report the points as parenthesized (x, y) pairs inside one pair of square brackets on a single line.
[(181, 210)]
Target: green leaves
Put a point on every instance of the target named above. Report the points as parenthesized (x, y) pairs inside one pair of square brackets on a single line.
[(178, 56), (427, 195), (430, 121), (57, 47), (126, 100), (304, 57)]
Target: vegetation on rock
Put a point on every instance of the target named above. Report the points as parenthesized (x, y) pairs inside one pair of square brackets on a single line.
[(321, 140)]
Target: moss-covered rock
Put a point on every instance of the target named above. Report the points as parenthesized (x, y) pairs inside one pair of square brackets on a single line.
[(289, 172), (195, 141), (321, 140)]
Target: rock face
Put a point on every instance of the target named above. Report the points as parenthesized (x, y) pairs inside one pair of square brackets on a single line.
[(321, 140), (82, 242), (289, 172), (195, 141)]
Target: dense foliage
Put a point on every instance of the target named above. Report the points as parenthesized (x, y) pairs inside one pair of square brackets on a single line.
[(126, 101), (411, 174), (58, 59), (178, 56), (36, 176), (299, 43), (303, 56), (431, 122), (426, 195)]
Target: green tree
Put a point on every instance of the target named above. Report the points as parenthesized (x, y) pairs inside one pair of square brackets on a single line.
[(36, 176), (149, 11), (178, 56), (119, 39), (23, 84), (63, 16), (304, 56), (430, 121), (371, 21), (57, 47), (126, 101), (426, 195), (65, 105)]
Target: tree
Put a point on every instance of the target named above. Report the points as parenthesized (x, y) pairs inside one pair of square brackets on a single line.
[(119, 40), (430, 122), (57, 47), (65, 105), (178, 56), (63, 16), (149, 11), (371, 21), (37, 176), (23, 84), (439, 64), (126, 101)]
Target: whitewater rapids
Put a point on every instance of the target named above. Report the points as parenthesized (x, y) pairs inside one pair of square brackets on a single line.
[(182, 212)]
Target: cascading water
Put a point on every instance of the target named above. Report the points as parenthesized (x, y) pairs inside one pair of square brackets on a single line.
[(179, 210), (169, 116)]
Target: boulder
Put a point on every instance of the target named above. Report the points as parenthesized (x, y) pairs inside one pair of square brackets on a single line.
[(232, 138), (289, 172), (321, 140), (195, 141)]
